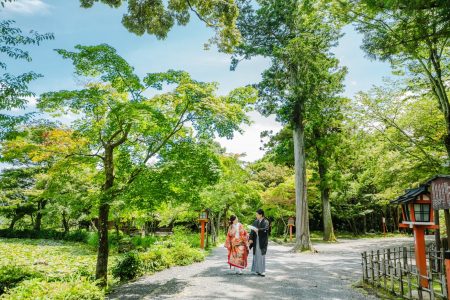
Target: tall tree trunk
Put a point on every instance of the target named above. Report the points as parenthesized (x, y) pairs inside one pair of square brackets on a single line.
[(213, 230), (37, 223), (303, 240), (101, 271), (16, 218), (328, 231), (219, 216), (65, 222), (225, 220), (364, 224)]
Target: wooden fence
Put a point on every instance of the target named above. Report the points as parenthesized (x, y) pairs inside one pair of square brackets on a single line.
[(395, 271)]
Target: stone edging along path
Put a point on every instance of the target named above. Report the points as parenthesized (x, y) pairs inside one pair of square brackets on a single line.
[(328, 274)]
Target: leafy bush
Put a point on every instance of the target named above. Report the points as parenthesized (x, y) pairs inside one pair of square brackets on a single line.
[(184, 255), (78, 236), (183, 235), (143, 242), (129, 267), (169, 254), (11, 275), (93, 240), (40, 289), (74, 236), (157, 259)]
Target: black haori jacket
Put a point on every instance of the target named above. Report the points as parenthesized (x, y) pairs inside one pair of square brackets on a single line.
[(263, 234)]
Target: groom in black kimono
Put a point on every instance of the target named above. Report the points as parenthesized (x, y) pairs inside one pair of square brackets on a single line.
[(259, 240)]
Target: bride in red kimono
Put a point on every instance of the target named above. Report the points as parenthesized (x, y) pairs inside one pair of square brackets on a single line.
[(237, 245)]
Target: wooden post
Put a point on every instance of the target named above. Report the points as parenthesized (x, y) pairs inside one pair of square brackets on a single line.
[(420, 251), (202, 235), (378, 268), (208, 228), (437, 232), (384, 269), (405, 257), (430, 276), (400, 276), (364, 266), (372, 268), (447, 271), (447, 225), (444, 283), (409, 283), (390, 270)]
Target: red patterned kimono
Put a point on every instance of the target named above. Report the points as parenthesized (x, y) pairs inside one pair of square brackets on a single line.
[(237, 245)]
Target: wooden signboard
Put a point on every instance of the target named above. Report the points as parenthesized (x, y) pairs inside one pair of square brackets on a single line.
[(440, 193), (291, 221)]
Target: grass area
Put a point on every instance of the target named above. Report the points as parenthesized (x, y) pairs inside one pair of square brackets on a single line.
[(59, 269), (367, 289), (53, 259), (410, 285), (48, 269)]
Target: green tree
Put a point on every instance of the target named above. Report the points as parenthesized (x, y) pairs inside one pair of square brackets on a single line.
[(325, 134), (128, 133), (25, 153), (297, 36), (15, 200), (414, 41), (14, 91), (157, 17), (234, 192)]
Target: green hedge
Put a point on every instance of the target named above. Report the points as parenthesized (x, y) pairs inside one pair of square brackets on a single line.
[(39, 289), (73, 236), (129, 267), (157, 258)]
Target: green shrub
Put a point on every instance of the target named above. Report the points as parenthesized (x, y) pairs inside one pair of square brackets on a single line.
[(10, 276), (78, 236), (58, 290), (183, 235), (129, 267), (183, 254), (93, 240), (125, 245), (157, 259), (50, 234), (143, 242)]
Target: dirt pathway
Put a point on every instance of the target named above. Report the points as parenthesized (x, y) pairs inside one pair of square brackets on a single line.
[(328, 274)]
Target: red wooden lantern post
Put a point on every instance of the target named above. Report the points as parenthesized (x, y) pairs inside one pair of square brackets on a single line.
[(203, 219), (291, 223), (418, 215)]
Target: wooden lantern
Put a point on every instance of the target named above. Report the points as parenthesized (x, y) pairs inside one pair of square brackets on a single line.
[(418, 214), (203, 219), (291, 223)]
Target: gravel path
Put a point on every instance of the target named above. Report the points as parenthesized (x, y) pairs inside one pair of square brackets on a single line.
[(328, 274)]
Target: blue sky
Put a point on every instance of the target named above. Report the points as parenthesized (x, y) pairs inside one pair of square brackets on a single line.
[(182, 50)]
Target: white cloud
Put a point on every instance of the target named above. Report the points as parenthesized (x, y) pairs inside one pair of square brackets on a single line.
[(249, 142), (27, 7)]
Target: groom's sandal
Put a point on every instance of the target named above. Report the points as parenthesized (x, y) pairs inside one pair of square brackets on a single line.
[(262, 274)]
